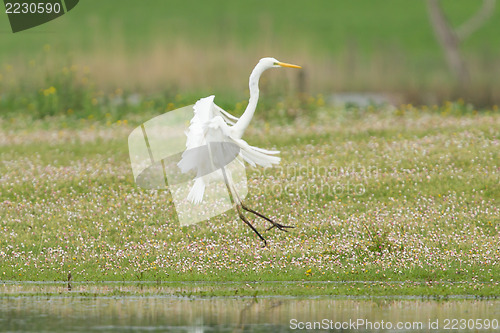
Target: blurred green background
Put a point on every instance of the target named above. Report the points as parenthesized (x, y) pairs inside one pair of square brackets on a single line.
[(173, 52)]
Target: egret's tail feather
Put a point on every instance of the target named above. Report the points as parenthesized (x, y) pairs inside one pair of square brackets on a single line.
[(266, 151), (196, 193), (257, 156)]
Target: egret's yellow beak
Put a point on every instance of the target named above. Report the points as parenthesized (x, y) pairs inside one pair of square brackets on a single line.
[(284, 64)]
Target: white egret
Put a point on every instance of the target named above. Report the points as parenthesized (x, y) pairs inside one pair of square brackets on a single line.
[(211, 124)]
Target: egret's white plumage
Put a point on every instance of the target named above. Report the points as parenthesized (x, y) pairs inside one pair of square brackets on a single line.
[(212, 137), (211, 123)]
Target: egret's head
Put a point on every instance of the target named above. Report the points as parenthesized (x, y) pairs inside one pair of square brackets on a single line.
[(272, 62)]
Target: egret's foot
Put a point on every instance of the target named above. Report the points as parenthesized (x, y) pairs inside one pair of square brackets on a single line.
[(244, 219), (280, 227), (274, 224)]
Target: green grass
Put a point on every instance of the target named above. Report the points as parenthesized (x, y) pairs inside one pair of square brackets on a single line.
[(407, 195), (302, 289)]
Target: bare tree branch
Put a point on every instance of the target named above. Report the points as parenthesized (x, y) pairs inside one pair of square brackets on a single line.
[(476, 21), (448, 41)]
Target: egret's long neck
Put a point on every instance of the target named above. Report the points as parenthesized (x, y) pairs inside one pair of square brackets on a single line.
[(246, 117)]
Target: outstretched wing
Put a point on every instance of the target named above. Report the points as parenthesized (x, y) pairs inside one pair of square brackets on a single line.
[(252, 155), (196, 137), (203, 112), (211, 124), (228, 118), (206, 126), (202, 133)]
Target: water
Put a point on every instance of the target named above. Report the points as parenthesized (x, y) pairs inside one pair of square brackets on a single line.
[(51, 307), (165, 314)]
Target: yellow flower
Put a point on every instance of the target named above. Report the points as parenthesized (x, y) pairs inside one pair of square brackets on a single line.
[(50, 91), (319, 100)]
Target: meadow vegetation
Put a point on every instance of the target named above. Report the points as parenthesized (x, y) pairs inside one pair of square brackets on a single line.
[(406, 194), (407, 197)]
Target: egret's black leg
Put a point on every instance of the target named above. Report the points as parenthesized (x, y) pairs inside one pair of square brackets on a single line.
[(249, 224), (274, 224), (238, 208)]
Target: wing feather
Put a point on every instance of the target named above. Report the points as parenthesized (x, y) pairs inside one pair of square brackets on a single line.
[(203, 112), (201, 132), (228, 118)]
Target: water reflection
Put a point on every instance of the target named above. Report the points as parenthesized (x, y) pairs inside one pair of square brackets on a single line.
[(164, 314)]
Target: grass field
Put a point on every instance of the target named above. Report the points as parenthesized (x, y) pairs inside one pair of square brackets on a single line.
[(386, 200), (406, 195)]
